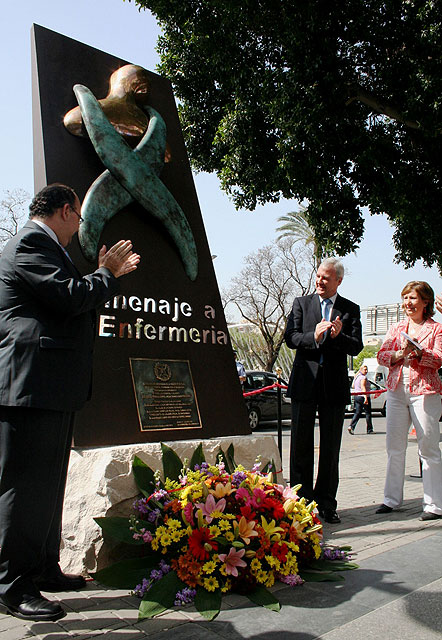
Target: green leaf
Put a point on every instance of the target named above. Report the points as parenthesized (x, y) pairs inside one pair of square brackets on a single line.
[(260, 595), (144, 476), (266, 469), (230, 454), (208, 603), (119, 528), (223, 459), (333, 565), (160, 596), (126, 574), (172, 464), (197, 457), (320, 576)]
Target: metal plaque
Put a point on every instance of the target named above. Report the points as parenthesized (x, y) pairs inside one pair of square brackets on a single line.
[(165, 394)]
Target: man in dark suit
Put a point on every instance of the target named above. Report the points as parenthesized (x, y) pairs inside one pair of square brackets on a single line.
[(323, 328), (47, 319)]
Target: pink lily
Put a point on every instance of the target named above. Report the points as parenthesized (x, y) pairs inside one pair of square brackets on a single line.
[(233, 560), (210, 506)]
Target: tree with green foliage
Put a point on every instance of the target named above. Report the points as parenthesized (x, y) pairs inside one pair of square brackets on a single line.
[(295, 225), (335, 103), (369, 351)]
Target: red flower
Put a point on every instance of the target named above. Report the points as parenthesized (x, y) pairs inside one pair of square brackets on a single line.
[(279, 551), (199, 540), (248, 513), (275, 507)]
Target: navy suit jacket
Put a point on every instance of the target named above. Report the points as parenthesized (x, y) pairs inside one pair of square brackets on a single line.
[(299, 335), (47, 323)]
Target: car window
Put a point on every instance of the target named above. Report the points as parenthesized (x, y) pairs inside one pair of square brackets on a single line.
[(258, 381)]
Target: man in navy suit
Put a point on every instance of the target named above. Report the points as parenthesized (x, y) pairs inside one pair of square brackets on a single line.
[(323, 328), (47, 323)]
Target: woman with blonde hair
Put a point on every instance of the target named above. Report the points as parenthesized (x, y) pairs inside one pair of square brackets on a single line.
[(413, 352)]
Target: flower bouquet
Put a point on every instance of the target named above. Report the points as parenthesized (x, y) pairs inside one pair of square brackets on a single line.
[(208, 530)]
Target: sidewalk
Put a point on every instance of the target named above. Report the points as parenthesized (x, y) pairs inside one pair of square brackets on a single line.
[(396, 592)]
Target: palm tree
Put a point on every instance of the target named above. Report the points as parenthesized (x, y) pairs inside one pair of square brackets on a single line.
[(296, 226)]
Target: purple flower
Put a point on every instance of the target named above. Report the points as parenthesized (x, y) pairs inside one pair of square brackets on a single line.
[(238, 477), (156, 574), (292, 579), (141, 589), (159, 493), (141, 505), (334, 553), (154, 515), (165, 568), (185, 596)]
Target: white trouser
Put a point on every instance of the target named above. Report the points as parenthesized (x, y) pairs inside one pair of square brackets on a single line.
[(424, 412)]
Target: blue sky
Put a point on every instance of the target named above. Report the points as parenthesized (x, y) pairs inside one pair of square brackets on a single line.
[(118, 28)]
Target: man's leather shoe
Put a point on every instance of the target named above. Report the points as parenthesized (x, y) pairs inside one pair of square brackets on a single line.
[(384, 509), (351, 431), (33, 608), (329, 515), (59, 581), (428, 515)]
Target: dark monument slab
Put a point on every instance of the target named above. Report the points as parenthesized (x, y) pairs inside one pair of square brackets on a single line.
[(168, 321)]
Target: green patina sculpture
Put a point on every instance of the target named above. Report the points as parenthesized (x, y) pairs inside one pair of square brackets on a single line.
[(131, 174)]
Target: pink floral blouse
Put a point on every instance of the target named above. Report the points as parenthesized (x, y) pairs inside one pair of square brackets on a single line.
[(423, 372)]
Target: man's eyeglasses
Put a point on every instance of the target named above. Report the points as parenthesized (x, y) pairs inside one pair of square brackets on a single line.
[(80, 219)]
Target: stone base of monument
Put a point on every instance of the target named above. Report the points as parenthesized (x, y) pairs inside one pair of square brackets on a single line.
[(100, 483)]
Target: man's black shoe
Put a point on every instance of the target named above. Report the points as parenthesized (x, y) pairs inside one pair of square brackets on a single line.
[(33, 608), (329, 515), (429, 515), (59, 581), (384, 509), (370, 431)]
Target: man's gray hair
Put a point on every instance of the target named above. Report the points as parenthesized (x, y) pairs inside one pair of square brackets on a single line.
[(336, 264)]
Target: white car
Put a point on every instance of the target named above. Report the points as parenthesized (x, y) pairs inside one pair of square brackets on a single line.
[(378, 403)]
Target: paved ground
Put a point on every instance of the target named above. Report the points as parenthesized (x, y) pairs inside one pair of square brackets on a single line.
[(396, 593)]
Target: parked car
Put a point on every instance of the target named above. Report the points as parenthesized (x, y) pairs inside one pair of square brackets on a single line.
[(378, 403), (264, 406)]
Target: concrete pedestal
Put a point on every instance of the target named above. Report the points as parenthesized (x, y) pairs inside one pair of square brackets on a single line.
[(100, 483)]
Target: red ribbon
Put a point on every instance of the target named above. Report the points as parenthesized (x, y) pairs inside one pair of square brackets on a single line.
[(376, 393)]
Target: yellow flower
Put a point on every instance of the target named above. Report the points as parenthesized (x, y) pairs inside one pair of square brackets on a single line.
[(160, 531), (214, 530), (261, 576), (222, 570), (224, 524), (270, 528), (255, 564), (229, 536), (289, 505), (209, 567), (210, 584), (172, 523), (166, 539), (227, 586), (270, 581), (196, 494), (155, 544), (273, 562), (176, 535)]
